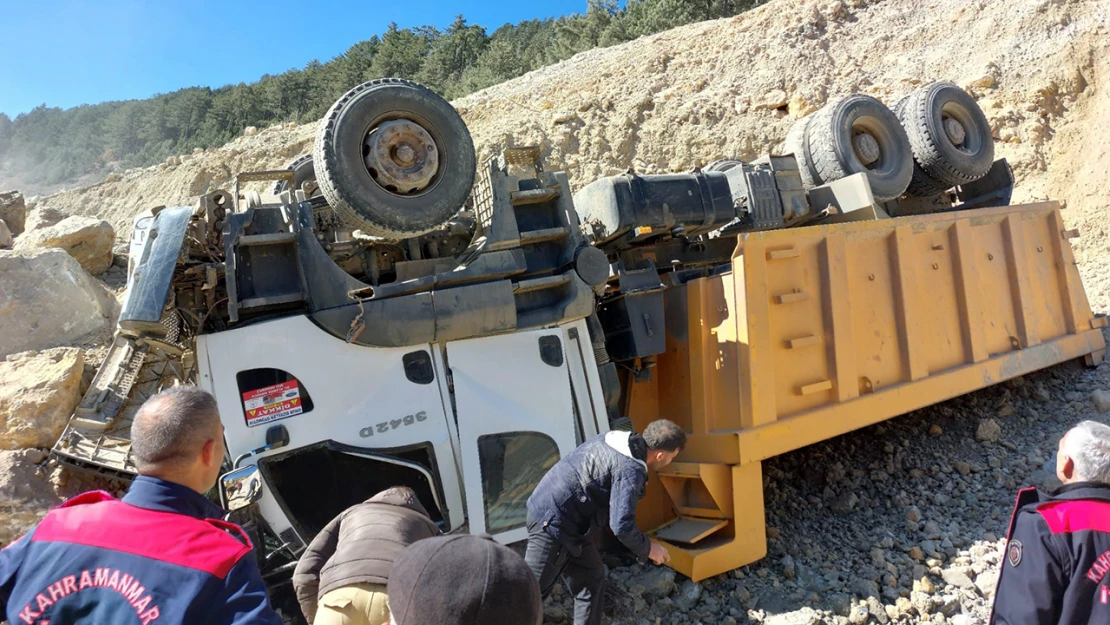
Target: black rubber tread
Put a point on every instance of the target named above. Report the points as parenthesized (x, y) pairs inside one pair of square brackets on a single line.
[(920, 115), (302, 170), (796, 144), (921, 183), (355, 196), (829, 136)]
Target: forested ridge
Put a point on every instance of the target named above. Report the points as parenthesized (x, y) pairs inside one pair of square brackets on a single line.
[(49, 146)]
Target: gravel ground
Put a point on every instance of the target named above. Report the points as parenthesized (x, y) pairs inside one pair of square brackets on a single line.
[(901, 522)]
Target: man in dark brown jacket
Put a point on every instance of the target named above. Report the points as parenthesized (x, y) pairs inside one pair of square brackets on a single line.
[(346, 568)]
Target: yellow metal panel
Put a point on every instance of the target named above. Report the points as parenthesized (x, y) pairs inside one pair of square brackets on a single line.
[(824, 423), (907, 299), (993, 282), (874, 322), (714, 360), (1025, 314), (801, 375), (755, 350), (967, 292), (1064, 263), (838, 318), (941, 338), (1048, 300)]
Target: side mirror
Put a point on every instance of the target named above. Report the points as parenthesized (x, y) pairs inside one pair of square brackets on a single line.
[(241, 487)]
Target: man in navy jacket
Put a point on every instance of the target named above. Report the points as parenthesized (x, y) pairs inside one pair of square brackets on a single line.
[(603, 479), (1055, 567), (160, 555)]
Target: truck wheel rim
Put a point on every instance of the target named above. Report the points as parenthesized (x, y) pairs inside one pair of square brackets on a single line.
[(401, 156), (866, 147), (870, 142), (957, 122)]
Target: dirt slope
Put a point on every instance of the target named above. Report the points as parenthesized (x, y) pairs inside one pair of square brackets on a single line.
[(733, 87)]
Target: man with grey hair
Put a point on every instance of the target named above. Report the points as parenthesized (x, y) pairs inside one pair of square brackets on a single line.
[(1057, 556), (161, 554)]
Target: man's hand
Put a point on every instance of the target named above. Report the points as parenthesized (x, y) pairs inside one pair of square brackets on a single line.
[(659, 554)]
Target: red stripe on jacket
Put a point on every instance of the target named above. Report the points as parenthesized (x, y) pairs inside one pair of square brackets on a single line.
[(1078, 515), (97, 519)]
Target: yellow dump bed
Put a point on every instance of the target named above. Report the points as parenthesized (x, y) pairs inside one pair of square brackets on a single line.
[(821, 330)]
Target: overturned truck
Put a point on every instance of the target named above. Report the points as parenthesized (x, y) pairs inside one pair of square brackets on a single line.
[(389, 316)]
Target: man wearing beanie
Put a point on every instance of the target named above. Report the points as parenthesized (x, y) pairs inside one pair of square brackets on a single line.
[(604, 477), (462, 580)]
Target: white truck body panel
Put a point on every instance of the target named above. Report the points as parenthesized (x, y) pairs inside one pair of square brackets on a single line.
[(502, 385), (354, 389), (361, 397)]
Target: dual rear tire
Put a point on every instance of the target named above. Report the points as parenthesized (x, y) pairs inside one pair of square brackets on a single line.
[(933, 139)]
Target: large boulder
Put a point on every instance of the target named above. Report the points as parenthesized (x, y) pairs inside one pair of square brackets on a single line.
[(5, 236), (43, 217), (38, 392), (47, 299), (13, 211), (84, 238)]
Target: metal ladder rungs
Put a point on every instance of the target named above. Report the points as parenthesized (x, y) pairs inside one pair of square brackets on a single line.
[(530, 237), (533, 196), (265, 239)]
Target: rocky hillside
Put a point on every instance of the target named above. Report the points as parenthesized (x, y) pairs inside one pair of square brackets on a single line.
[(733, 87)]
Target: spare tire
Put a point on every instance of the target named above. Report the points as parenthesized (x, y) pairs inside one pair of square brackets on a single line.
[(950, 135), (303, 171), (859, 134), (394, 159)]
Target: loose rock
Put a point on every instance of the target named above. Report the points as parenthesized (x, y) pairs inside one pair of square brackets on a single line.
[(957, 578), (844, 503), (86, 239), (989, 431), (38, 392), (47, 299), (1101, 400), (13, 211), (43, 217), (986, 582), (657, 582), (5, 236)]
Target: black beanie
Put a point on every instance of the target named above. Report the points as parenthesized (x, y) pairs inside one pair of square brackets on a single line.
[(463, 580)]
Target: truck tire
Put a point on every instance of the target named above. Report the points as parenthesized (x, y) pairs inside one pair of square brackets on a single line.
[(921, 183), (859, 134), (302, 171), (394, 159), (796, 144), (949, 134)]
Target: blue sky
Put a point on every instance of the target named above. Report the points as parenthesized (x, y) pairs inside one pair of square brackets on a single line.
[(70, 52)]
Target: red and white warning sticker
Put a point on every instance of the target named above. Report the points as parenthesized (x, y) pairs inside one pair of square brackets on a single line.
[(271, 403)]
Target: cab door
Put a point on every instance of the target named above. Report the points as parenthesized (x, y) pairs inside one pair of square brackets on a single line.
[(516, 420)]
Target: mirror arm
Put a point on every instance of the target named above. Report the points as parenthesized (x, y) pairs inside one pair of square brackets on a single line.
[(253, 452)]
